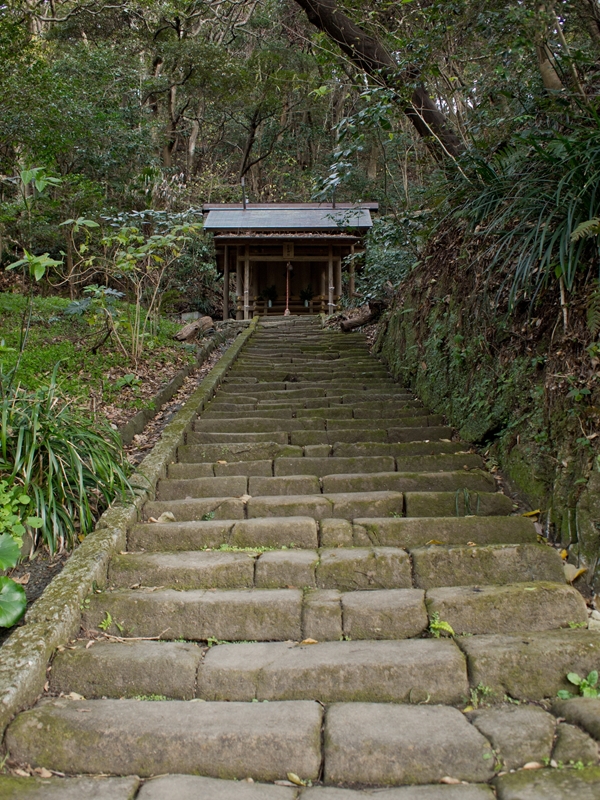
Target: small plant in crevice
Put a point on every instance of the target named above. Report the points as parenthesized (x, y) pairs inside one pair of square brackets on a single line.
[(468, 499), (437, 626), (587, 687)]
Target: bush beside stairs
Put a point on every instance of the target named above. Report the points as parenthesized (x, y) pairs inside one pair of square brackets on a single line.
[(335, 603)]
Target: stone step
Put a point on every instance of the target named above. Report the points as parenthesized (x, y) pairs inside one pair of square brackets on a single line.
[(235, 451), (251, 424), (177, 536), (179, 489), (187, 471), (408, 671), (343, 568), (399, 449), (321, 506), (461, 503), (538, 606), (263, 741), (305, 532), (328, 614)]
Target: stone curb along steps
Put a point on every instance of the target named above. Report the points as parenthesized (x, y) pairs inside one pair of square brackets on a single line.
[(270, 616)]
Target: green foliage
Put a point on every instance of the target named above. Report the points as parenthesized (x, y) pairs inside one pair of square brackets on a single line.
[(587, 687), (13, 602), (70, 472), (437, 626)]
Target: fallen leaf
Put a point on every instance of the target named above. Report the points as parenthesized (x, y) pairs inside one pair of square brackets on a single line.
[(43, 772), (75, 696), (295, 779), (533, 765), (89, 644), (471, 544), (166, 516), (309, 641), (283, 783), (152, 519), (532, 513), (221, 462), (23, 580), (245, 497), (572, 573), (564, 554), (47, 686), (451, 781), (434, 541), (21, 773)]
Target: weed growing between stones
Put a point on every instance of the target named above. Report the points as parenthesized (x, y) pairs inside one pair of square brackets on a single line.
[(587, 687), (437, 626)]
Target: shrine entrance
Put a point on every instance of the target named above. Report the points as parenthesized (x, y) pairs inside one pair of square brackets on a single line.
[(286, 256)]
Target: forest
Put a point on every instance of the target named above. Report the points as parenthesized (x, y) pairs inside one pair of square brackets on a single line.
[(474, 125)]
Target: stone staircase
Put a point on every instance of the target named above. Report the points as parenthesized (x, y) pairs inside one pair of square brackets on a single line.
[(285, 620)]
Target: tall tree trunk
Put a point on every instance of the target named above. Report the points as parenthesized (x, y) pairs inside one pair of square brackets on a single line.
[(369, 54)]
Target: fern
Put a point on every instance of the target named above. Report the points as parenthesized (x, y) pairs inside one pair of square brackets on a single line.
[(587, 229), (593, 311)]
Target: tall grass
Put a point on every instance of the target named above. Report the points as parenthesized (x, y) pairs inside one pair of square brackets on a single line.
[(526, 202), (71, 471)]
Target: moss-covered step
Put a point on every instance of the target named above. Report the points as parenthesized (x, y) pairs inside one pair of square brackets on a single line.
[(198, 615), (235, 451), (178, 536), (531, 606), (333, 466), (236, 413), (460, 565), (257, 424), (385, 744), (263, 741), (388, 422), (127, 669), (411, 532), (461, 503), (207, 437), (177, 489), (196, 510), (530, 665), (375, 671), (398, 449), (346, 506), (55, 788), (221, 468), (473, 480), (546, 784)]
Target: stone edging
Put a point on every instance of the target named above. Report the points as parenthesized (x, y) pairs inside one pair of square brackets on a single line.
[(54, 618)]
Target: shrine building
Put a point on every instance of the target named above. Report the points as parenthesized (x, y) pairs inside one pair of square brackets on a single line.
[(286, 255)]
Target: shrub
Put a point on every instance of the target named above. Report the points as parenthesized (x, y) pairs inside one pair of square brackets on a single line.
[(70, 472)]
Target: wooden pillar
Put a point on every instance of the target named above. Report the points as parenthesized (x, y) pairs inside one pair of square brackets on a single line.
[(323, 291), (352, 281), (226, 284), (247, 282), (238, 285), (330, 284), (338, 279)]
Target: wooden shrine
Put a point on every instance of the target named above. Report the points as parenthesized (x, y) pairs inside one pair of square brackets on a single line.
[(286, 255)]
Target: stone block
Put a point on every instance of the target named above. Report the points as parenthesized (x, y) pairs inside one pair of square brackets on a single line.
[(410, 532), (180, 535), (457, 565), (332, 466), (280, 569), (396, 744), (183, 570), (287, 485), (336, 533), (582, 711), (263, 741), (202, 487), (264, 468), (322, 615), (518, 734), (127, 669), (192, 787), (349, 569), (574, 746), (410, 671), (457, 504), (273, 532), (514, 607), (318, 507), (533, 665), (197, 615), (385, 614), (13, 788), (550, 784), (362, 504), (474, 480), (197, 510)]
